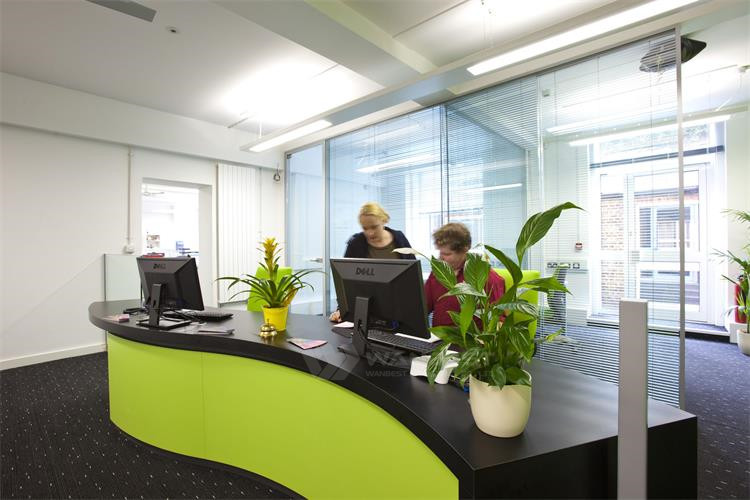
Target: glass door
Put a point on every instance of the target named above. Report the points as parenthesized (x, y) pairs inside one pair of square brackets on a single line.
[(653, 206), (306, 224)]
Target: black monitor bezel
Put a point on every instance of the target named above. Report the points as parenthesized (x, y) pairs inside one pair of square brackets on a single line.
[(415, 298)]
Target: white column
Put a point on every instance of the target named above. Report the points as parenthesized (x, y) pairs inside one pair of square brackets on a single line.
[(632, 415)]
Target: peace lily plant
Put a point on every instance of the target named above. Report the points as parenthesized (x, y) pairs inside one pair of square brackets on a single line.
[(494, 337)]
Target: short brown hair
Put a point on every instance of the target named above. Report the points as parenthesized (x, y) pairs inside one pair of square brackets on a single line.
[(454, 235)]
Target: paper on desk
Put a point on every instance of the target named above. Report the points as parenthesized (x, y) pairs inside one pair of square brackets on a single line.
[(345, 324)]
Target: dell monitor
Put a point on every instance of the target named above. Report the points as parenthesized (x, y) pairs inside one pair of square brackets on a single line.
[(385, 294), (169, 283)]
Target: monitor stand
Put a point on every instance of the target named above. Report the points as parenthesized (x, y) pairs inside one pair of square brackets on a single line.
[(154, 312), (363, 348)]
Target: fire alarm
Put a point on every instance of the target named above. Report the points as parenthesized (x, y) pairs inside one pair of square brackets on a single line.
[(579, 246)]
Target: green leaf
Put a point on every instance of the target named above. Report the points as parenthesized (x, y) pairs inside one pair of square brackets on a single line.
[(522, 343), (464, 289), (448, 334), (437, 361), (522, 306), (513, 268), (546, 285), (497, 376), (518, 376), (469, 362), (467, 315), (476, 271), (443, 273), (537, 227)]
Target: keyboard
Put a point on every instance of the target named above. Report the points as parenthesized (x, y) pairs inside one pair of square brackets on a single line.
[(207, 315), (421, 347)]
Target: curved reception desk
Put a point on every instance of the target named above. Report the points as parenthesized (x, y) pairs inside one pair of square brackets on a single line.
[(324, 424)]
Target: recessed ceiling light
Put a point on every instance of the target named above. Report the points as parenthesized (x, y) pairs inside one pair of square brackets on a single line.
[(173, 30)]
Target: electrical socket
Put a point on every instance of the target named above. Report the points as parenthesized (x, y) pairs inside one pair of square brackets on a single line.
[(129, 248)]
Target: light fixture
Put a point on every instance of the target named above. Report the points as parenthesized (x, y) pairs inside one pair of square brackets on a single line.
[(291, 135), (577, 35), (493, 188), (642, 131), (396, 163)]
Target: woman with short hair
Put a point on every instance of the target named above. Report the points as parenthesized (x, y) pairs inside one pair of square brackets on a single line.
[(453, 242)]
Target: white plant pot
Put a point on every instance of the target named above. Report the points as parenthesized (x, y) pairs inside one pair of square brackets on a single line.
[(743, 342), (500, 412)]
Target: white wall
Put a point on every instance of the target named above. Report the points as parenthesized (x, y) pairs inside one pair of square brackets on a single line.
[(42, 106), (64, 188), (738, 186), (64, 204)]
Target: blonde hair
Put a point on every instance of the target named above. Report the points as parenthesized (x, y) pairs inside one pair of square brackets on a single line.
[(375, 210)]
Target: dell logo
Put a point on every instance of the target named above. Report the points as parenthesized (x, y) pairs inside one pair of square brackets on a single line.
[(159, 266), (368, 271)]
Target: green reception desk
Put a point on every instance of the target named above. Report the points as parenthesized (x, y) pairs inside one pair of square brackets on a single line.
[(326, 425)]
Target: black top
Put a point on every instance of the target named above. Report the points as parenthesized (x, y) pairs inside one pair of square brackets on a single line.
[(356, 247), (568, 409)]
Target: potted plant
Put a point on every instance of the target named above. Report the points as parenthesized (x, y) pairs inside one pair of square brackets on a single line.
[(276, 292), (741, 284), (494, 338)]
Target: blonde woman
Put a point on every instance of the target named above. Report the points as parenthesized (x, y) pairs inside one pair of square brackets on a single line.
[(376, 241)]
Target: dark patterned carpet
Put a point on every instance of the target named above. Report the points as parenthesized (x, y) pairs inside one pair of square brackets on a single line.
[(718, 391), (56, 440)]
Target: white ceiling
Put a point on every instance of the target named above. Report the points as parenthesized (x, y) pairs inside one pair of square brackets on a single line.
[(271, 64)]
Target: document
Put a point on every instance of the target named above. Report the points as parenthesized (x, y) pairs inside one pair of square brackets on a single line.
[(306, 343)]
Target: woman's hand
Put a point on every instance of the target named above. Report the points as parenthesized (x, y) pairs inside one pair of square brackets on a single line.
[(335, 316)]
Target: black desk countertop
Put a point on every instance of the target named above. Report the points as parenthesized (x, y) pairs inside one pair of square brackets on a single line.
[(568, 409)]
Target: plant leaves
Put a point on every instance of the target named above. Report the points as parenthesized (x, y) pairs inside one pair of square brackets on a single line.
[(517, 376), (497, 376), (437, 361), (476, 271), (514, 269), (448, 334), (521, 306), (467, 315), (443, 273), (537, 226), (546, 285), (464, 289)]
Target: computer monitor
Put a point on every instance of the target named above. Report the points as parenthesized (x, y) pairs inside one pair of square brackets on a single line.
[(387, 294), (169, 283)]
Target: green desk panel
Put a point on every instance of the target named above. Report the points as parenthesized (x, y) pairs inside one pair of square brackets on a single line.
[(313, 436), (156, 395), (303, 432)]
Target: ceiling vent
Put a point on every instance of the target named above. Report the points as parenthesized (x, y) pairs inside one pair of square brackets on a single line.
[(661, 57)]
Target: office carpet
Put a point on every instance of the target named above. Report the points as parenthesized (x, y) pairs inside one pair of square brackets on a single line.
[(56, 440), (717, 389)]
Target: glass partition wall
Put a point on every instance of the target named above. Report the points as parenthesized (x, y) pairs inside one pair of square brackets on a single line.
[(601, 133)]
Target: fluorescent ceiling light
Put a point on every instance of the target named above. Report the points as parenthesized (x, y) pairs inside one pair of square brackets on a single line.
[(291, 135), (495, 188), (580, 34), (642, 131), (396, 163)]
